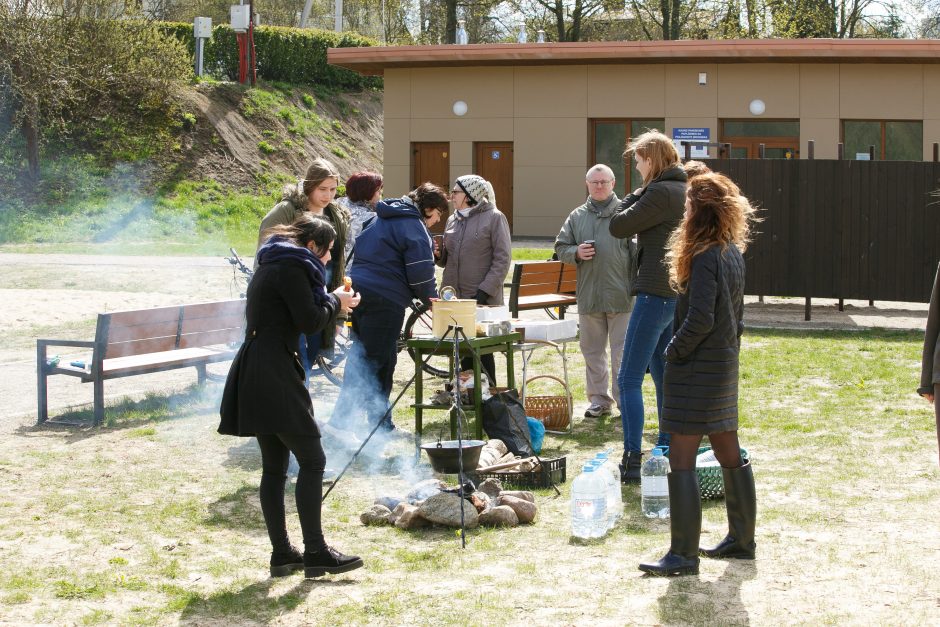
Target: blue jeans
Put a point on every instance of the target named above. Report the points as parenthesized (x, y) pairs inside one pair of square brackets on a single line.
[(648, 334)]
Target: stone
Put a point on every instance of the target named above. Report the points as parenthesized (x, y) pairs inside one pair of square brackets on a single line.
[(478, 503), (411, 519), (444, 509), (491, 486), (524, 510), (499, 516), (391, 502), (424, 489), (525, 495), (375, 515)]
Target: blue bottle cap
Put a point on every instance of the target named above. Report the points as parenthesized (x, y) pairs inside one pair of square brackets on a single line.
[(657, 452)]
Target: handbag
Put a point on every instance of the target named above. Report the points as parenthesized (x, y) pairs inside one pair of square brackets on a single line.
[(504, 419)]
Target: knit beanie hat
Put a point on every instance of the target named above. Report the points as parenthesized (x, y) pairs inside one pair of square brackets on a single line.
[(475, 187)]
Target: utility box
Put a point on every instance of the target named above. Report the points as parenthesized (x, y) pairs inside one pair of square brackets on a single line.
[(240, 17), (202, 28)]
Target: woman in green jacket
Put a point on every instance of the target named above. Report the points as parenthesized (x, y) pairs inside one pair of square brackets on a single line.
[(314, 194)]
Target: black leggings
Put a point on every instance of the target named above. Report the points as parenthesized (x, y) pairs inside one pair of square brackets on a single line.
[(684, 447), (275, 455)]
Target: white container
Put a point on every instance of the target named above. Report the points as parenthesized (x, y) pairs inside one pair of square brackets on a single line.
[(551, 330), (239, 17), (654, 486), (588, 504), (614, 495), (492, 313)]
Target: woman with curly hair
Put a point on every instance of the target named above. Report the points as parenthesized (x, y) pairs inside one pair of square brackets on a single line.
[(700, 382)]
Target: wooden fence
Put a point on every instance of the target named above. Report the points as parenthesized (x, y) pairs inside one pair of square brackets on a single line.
[(841, 229)]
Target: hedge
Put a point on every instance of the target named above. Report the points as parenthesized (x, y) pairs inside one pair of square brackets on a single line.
[(292, 55)]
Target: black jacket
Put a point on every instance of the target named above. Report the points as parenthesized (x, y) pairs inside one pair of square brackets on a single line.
[(265, 390), (700, 383), (652, 218), (930, 359)]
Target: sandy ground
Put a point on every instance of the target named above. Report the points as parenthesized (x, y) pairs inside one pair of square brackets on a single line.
[(58, 296)]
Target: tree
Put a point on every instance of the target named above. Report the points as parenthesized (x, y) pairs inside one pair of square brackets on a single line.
[(663, 19), (64, 65), (567, 18)]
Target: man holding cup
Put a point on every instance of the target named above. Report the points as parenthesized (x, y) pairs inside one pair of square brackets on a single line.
[(606, 269)]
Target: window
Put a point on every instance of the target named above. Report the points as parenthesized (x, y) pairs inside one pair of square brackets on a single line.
[(781, 138), (609, 139), (893, 140)]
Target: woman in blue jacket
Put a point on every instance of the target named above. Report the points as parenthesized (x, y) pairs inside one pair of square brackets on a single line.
[(394, 265)]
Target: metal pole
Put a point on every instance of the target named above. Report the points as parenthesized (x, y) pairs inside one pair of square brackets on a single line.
[(200, 43), (338, 16)]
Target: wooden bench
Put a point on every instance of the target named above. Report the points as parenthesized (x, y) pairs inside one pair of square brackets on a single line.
[(144, 341), (541, 285)]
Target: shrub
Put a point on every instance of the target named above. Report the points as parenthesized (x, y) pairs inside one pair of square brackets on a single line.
[(292, 55)]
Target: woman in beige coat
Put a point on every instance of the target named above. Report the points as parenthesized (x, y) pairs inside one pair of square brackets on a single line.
[(477, 248)]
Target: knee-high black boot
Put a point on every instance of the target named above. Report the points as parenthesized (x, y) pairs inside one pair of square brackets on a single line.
[(741, 503), (685, 524)]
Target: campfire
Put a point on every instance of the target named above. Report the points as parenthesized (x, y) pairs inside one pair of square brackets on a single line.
[(434, 502)]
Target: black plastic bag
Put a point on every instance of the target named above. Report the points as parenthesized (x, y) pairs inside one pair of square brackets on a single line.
[(504, 419)]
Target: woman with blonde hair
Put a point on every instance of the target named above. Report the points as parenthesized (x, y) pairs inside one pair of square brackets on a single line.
[(314, 194), (651, 213), (706, 268)]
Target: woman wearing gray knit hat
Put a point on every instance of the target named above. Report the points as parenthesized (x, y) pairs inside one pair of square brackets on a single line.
[(477, 250)]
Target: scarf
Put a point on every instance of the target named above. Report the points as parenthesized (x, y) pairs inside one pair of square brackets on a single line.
[(278, 249)]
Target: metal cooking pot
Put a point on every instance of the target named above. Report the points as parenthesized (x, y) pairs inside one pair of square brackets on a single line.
[(444, 455)]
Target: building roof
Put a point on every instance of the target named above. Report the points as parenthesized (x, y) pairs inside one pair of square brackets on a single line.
[(376, 60)]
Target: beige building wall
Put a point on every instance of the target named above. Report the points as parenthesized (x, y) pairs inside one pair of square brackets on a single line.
[(545, 111)]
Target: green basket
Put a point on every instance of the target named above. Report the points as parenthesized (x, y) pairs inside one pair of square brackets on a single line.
[(711, 482)]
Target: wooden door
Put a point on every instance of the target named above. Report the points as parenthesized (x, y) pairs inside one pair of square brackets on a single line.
[(493, 161), (431, 162)]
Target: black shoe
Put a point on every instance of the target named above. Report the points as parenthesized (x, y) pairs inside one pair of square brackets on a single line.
[(740, 503), (329, 561), (283, 563), (671, 564), (630, 466)]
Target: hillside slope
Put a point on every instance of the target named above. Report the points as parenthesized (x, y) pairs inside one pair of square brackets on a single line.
[(241, 136)]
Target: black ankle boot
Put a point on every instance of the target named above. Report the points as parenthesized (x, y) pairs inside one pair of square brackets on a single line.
[(329, 560), (630, 466), (741, 505), (685, 524), (285, 562)]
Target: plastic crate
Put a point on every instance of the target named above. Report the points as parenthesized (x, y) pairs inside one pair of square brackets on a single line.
[(711, 481), (552, 472)]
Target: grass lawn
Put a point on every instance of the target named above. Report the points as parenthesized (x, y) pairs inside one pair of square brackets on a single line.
[(154, 518)]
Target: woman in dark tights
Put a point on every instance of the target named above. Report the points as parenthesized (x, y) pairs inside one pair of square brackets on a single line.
[(265, 395), (700, 380)]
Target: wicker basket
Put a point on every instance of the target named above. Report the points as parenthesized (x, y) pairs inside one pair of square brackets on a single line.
[(553, 411), (711, 482)]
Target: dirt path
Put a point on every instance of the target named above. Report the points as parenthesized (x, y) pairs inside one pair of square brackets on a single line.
[(58, 296)]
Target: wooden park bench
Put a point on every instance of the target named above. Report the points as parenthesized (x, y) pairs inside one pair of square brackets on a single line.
[(542, 285), (144, 341)]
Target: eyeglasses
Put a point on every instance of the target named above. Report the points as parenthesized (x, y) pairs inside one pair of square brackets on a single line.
[(601, 183)]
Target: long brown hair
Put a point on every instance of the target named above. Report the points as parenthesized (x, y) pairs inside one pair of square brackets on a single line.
[(656, 147), (717, 215)]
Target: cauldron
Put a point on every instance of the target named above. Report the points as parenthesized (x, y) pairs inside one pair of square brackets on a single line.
[(444, 455)]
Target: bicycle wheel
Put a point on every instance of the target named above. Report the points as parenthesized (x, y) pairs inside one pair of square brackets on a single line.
[(419, 323), (332, 366)]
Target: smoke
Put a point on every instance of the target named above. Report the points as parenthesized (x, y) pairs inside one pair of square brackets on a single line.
[(388, 458)]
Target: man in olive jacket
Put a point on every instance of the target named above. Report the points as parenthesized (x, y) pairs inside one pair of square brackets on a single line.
[(606, 268)]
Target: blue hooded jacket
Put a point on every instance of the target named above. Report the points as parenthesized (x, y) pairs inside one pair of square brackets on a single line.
[(394, 257)]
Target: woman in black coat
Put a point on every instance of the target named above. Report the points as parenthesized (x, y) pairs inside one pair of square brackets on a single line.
[(700, 381), (265, 395), (930, 361)]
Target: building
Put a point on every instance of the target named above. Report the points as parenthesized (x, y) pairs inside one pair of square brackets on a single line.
[(533, 117)]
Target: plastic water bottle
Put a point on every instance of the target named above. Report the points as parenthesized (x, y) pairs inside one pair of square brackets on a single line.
[(588, 504), (654, 486), (614, 496)]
